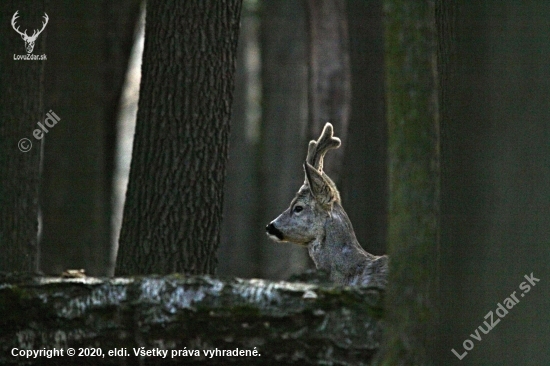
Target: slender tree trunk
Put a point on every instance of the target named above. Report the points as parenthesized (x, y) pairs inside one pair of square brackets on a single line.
[(121, 34), (364, 181), (87, 58), (239, 249), (21, 108), (413, 235), (283, 143), (173, 207), (329, 75)]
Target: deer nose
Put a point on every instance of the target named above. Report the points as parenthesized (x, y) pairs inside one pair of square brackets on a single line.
[(272, 230)]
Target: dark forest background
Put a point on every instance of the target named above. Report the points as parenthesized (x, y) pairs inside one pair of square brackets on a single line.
[(219, 146)]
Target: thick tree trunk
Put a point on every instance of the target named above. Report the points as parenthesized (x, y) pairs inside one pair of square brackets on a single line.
[(20, 109), (329, 75), (285, 323), (495, 181), (174, 201), (87, 57), (283, 143), (413, 234)]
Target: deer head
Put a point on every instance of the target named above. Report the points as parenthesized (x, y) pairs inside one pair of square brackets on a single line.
[(317, 220), (304, 220), (29, 40)]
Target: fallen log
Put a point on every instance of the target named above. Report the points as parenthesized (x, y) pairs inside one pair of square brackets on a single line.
[(179, 319)]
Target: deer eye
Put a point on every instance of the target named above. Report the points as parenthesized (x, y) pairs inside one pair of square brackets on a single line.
[(298, 208)]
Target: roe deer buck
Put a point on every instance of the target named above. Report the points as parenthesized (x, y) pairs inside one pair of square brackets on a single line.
[(316, 218)]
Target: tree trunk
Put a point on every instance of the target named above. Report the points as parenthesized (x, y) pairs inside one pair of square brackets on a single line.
[(285, 323), (239, 251), (495, 181), (284, 119), (364, 181), (87, 57), (413, 235), (21, 108), (329, 75), (174, 201)]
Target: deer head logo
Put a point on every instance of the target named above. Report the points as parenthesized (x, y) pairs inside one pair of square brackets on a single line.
[(29, 40)]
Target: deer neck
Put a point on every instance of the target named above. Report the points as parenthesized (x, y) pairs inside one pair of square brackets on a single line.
[(338, 252)]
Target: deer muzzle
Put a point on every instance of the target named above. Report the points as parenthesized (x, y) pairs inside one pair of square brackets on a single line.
[(273, 232)]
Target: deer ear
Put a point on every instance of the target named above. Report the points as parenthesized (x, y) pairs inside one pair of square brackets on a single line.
[(320, 188)]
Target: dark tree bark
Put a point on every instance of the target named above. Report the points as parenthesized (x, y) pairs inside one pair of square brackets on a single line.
[(88, 54), (329, 75), (21, 107), (286, 323), (413, 233), (174, 201), (284, 119), (364, 180)]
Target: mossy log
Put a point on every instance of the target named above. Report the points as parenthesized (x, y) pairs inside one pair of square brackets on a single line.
[(277, 322)]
